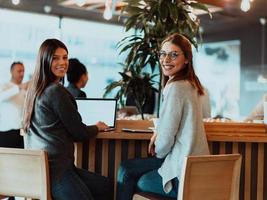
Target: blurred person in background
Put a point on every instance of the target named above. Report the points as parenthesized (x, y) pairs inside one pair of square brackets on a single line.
[(77, 76), (12, 95), (258, 111)]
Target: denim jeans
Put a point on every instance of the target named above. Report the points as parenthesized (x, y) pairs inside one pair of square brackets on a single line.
[(141, 175), (83, 185)]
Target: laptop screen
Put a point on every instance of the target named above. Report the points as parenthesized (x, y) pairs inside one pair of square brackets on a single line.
[(93, 110)]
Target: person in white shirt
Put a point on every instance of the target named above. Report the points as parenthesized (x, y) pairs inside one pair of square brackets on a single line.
[(258, 111), (12, 95)]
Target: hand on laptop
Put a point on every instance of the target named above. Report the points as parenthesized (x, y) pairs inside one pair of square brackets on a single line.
[(101, 126)]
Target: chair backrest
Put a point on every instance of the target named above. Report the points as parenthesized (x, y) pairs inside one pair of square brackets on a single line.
[(210, 177), (24, 173)]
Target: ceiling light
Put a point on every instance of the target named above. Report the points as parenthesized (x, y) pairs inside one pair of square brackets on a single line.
[(47, 9), (80, 2), (107, 13), (262, 21), (262, 77), (108, 10), (201, 29), (245, 5), (16, 2)]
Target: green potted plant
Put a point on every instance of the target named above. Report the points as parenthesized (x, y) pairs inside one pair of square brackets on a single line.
[(137, 85), (153, 20)]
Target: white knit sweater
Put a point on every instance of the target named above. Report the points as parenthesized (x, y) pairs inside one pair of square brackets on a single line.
[(180, 130)]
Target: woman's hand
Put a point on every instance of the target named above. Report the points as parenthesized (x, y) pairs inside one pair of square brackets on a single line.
[(101, 126), (151, 146)]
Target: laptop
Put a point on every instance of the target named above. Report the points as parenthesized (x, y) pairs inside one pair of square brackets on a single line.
[(93, 110)]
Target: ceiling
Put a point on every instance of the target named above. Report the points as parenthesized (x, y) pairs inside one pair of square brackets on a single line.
[(91, 5), (228, 17), (232, 16)]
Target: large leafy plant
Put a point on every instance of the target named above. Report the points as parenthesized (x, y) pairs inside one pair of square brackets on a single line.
[(137, 85), (153, 20)]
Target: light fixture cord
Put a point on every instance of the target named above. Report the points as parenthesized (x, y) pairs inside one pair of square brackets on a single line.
[(263, 47)]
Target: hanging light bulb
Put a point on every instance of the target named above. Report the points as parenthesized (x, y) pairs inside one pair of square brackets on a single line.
[(16, 2), (245, 5), (108, 11), (262, 77), (262, 21), (58, 31), (80, 2), (47, 9)]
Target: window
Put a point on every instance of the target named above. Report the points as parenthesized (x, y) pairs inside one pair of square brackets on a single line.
[(94, 44), (218, 68)]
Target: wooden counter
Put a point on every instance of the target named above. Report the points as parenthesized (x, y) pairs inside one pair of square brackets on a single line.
[(108, 149), (250, 140)]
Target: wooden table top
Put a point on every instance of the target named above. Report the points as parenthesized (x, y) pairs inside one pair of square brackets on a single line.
[(216, 131)]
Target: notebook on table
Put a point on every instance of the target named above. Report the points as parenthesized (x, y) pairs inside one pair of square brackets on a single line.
[(93, 110), (130, 130)]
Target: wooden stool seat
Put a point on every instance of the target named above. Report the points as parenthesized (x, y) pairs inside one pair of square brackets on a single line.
[(206, 177), (24, 173)]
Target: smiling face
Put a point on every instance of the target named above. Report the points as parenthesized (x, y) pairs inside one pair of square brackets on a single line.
[(60, 63), (172, 59)]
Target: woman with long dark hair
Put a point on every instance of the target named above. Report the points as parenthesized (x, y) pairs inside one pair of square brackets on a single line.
[(51, 122), (180, 129)]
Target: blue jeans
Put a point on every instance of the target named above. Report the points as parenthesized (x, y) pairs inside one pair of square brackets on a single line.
[(83, 185), (141, 175)]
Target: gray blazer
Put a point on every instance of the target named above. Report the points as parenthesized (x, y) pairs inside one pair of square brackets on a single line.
[(55, 126), (180, 130)]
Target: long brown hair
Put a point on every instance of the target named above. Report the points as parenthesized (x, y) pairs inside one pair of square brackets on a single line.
[(187, 73), (41, 78)]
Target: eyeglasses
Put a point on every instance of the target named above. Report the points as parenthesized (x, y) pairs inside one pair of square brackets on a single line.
[(172, 55)]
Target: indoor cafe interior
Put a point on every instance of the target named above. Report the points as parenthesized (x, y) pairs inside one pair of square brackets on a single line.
[(229, 48)]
